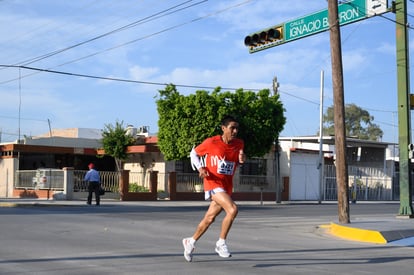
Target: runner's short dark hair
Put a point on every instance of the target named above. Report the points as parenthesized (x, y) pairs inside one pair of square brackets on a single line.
[(227, 119)]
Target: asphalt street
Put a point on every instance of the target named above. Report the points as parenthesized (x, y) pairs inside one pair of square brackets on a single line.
[(69, 237)]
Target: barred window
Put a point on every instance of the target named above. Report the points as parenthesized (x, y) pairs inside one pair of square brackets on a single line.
[(254, 167), (250, 167), (184, 166)]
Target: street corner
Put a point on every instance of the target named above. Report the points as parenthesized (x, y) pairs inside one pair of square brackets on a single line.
[(354, 234)]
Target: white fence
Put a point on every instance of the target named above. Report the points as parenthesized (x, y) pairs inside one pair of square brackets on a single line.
[(191, 182), (365, 183), (39, 179), (109, 181)]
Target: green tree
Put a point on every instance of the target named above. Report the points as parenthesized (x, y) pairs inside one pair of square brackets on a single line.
[(114, 141), (358, 123), (185, 121)]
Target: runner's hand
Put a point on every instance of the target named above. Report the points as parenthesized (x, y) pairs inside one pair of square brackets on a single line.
[(202, 172), (242, 156)]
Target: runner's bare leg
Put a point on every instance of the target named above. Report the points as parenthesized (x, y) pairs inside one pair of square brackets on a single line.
[(226, 202), (211, 214)]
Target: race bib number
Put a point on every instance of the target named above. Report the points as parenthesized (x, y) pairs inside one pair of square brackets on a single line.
[(225, 167)]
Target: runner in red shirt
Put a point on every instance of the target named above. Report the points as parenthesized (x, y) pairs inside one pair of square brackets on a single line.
[(216, 159)]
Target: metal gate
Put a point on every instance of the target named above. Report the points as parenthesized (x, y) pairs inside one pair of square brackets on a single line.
[(365, 183)]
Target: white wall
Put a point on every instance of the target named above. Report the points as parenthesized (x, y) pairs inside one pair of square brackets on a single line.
[(7, 168)]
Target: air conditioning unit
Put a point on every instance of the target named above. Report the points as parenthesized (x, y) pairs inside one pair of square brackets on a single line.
[(143, 131), (131, 131)]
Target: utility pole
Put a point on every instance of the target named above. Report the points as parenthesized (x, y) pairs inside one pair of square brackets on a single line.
[(339, 112), (404, 127), (277, 153)]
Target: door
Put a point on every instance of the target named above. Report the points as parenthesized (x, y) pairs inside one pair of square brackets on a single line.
[(304, 176)]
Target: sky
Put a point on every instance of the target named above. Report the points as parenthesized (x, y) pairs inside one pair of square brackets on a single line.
[(200, 43)]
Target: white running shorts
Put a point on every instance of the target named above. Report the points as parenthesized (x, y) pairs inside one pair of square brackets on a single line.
[(207, 194)]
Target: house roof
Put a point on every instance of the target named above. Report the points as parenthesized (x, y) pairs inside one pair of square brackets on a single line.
[(59, 145), (8, 149), (330, 140)]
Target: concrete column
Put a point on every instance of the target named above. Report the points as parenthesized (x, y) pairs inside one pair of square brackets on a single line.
[(154, 181), (124, 184), (172, 185), (68, 183)]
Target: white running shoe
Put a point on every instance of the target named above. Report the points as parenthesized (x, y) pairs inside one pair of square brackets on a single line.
[(188, 249), (222, 250)]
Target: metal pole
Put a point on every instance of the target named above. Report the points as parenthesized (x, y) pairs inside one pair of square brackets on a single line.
[(321, 158), (278, 183), (404, 126), (277, 154)]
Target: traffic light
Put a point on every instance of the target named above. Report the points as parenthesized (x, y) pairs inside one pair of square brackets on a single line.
[(264, 38)]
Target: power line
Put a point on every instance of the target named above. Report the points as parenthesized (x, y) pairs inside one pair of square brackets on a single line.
[(148, 82), (146, 19), (119, 79), (28, 35), (29, 119), (136, 40), (156, 83), (298, 97)]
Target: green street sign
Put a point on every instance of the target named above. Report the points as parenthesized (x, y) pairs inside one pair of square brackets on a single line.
[(318, 22), (348, 12)]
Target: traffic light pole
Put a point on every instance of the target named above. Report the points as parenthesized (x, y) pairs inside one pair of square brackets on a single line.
[(404, 126), (315, 23)]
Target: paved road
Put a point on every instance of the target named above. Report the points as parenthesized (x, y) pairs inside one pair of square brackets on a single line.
[(145, 238)]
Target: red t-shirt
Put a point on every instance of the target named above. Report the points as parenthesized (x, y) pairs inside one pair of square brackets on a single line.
[(220, 160)]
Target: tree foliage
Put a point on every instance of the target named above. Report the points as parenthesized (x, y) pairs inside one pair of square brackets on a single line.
[(185, 121), (358, 123), (115, 140)]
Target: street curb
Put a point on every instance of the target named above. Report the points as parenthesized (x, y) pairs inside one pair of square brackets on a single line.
[(8, 204), (356, 234), (29, 204), (367, 235)]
